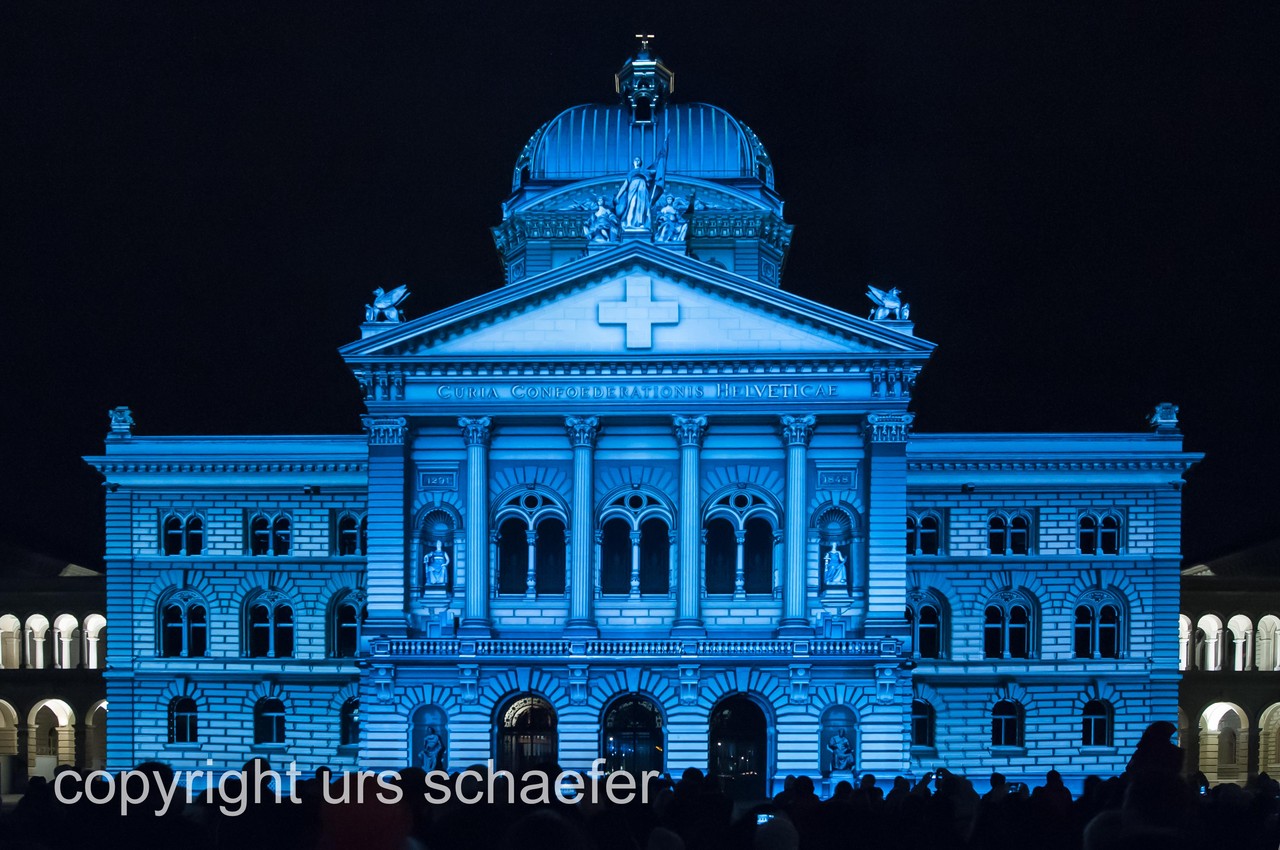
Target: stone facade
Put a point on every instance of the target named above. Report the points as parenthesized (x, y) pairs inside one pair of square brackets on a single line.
[(644, 504)]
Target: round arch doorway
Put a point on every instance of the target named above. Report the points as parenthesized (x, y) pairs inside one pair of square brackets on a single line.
[(738, 748), (527, 736), (632, 735)]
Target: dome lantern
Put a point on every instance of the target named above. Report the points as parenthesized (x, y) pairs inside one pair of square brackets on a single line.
[(644, 83)]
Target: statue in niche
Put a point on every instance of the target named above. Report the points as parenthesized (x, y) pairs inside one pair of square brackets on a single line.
[(432, 748), (603, 225), (672, 224), (435, 567), (888, 304), (841, 751), (385, 304), (834, 572)]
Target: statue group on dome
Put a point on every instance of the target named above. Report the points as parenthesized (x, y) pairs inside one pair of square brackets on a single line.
[(641, 204)]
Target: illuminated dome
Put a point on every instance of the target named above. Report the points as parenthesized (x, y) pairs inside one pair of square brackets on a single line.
[(594, 140), (705, 184)]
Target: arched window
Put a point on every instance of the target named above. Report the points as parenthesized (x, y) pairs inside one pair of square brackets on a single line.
[(10, 642), (924, 613), (1097, 626), (270, 626), (351, 533), (184, 720), (1009, 534), (270, 534), (182, 534), (924, 533), (1095, 729), (349, 723), (184, 625), (1099, 535), (95, 641), (1006, 724), (922, 724), (1007, 626), (739, 536), (346, 615), (66, 642), (268, 721), (531, 545), (37, 639), (635, 545)]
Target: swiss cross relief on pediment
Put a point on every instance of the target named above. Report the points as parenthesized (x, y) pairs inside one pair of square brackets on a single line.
[(637, 312)]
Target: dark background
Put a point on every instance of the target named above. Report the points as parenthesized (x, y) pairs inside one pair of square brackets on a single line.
[(1080, 201)]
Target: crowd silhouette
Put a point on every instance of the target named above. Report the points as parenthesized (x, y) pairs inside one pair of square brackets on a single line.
[(1150, 806)]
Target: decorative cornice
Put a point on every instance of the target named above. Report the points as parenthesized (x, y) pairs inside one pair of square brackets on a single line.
[(644, 366), (1098, 465), (266, 466), (475, 430), (797, 430), (689, 430), (890, 427), (582, 430), (385, 430)]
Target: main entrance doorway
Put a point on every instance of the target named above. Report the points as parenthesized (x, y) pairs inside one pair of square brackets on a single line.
[(738, 752), (632, 735), (527, 735)]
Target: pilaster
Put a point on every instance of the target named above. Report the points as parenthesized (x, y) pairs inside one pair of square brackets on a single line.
[(387, 550), (886, 520)]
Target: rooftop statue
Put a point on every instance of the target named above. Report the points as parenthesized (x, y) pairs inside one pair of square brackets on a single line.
[(603, 225), (385, 304), (673, 220), (888, 303), (637, 195)]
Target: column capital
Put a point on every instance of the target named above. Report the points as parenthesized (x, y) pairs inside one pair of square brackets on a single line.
[(582, 430), (890, 427), (385, 430), (475, 430), (797, 430), (689, 429)]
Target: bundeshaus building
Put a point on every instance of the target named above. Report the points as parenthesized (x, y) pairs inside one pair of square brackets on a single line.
[(641, 503)]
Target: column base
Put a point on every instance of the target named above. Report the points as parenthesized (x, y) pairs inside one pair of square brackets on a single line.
[(475, 629), (581, 629), (688, 629), (795, 627)]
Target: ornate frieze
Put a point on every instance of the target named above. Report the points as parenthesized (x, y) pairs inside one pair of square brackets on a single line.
[(475, 430), (797, 430), (890, 427), (582, 430), (690, 429), (385, 430)]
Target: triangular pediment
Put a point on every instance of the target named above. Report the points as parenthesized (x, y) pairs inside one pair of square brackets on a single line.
[(635, 302)]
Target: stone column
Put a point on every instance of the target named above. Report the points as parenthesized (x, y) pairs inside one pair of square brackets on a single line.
[(886, 591), (582, 432), (475, 434), (689, 432), (635, 565), (796, 432)]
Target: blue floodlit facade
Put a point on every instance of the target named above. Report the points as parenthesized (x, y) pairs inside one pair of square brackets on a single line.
[(643, 504)]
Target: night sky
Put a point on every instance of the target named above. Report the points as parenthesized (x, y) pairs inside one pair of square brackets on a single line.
[(1079, 200)]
